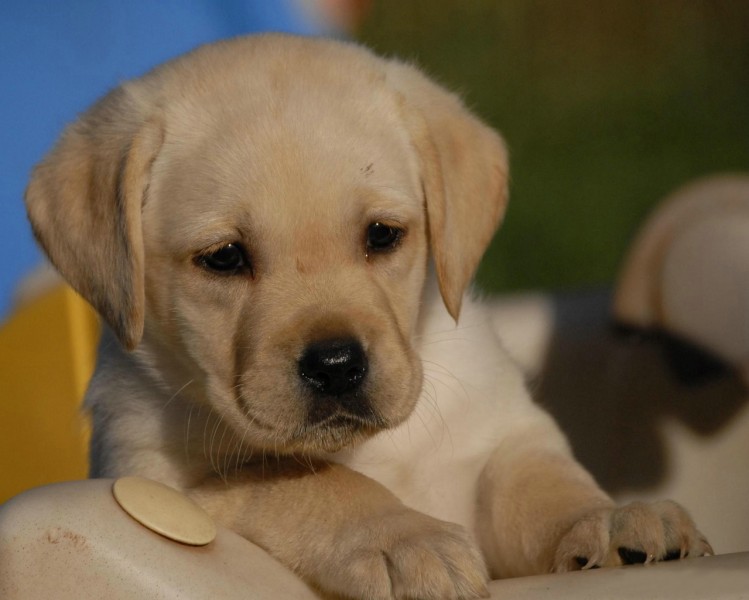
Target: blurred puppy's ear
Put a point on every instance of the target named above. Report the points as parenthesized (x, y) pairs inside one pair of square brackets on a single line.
[(464, 175), (84, 202)]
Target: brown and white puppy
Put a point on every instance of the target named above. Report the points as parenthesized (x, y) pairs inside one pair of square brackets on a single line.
[(254, 221)]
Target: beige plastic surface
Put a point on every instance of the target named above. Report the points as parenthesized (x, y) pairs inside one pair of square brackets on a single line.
[(72, 541), (724, 577), (164, 510)]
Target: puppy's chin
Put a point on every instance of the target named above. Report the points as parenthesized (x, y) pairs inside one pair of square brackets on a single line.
[(336, 433)]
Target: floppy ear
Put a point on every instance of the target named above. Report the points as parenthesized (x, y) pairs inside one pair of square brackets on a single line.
[(464, 176), (84, 202)]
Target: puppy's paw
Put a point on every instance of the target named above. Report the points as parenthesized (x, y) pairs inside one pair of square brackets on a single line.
[(635, 533), (406, 554)]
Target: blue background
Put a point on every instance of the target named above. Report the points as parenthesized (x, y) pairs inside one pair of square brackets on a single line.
[(56, 58)]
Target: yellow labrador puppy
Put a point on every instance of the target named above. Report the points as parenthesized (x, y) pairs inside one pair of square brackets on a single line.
[(256, 221)]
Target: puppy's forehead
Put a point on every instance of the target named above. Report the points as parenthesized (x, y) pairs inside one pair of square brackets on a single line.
[(297, 136)]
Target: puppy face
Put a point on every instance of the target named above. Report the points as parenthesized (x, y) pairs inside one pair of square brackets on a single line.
[(284, 257), (254, 220)]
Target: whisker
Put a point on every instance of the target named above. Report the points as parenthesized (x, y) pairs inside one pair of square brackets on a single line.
[(240, 445), (226, 454), (177, 393), (214, 461), (446, 372), (187, 432), (205, 436), (431, 402)]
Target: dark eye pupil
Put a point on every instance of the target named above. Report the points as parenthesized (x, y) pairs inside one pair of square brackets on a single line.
[(227, 258), (380, 236)]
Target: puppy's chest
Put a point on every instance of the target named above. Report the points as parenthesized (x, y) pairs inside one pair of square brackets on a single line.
[(473, 395), (433, 460)]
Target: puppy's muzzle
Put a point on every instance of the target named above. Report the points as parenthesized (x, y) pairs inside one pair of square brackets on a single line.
[(335, 371)]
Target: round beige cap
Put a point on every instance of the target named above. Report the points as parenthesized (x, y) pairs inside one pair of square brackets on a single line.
[(164, 510)]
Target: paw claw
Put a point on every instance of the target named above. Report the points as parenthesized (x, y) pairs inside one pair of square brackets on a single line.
[(637, 533), (707, 549)]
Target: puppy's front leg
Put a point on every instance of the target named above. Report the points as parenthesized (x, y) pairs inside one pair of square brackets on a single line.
[(541, 511), (345, 533)]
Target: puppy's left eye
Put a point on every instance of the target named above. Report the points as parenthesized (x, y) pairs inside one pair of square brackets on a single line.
[(228, 259), (382, 237)]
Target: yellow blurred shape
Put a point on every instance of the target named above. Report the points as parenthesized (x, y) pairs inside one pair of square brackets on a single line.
[(47, 354)]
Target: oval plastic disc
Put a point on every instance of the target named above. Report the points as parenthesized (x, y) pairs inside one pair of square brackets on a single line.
[(164, 510)]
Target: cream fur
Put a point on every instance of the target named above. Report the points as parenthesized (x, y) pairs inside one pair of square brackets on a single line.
[(291, 148)]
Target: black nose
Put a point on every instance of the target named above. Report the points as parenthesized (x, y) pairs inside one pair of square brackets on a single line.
[(333, 367)]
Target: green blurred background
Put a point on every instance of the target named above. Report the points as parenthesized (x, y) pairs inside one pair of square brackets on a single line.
[(606, 106)]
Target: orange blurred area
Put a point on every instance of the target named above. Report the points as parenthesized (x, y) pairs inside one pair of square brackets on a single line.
[(47, 354)]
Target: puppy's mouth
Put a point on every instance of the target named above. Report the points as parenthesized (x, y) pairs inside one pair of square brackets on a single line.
[(338, 430), (342, 420), (326, 427), (354, 408)]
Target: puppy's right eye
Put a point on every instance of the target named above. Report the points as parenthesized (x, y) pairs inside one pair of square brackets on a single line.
[(229, 260), (382, 238)]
